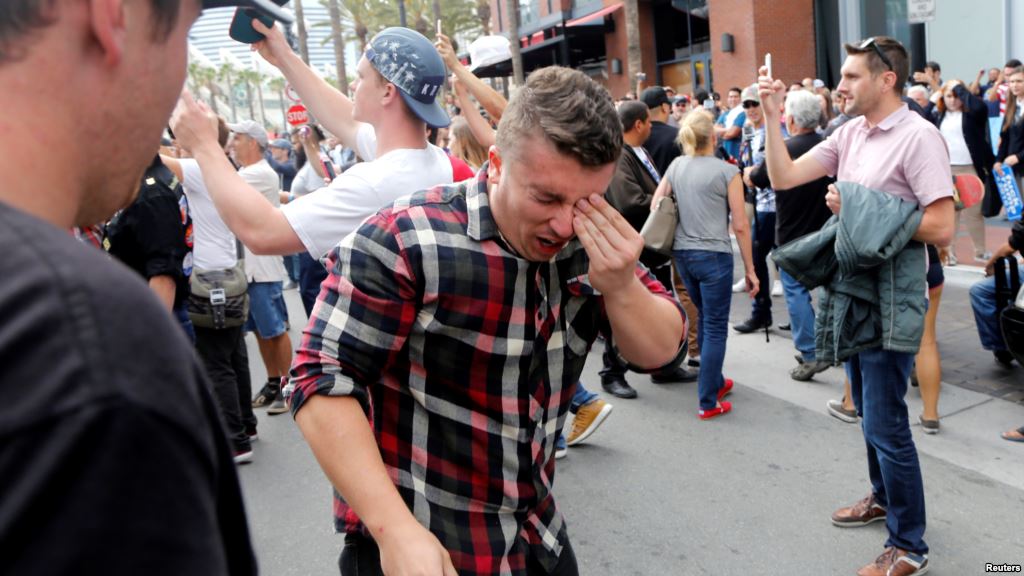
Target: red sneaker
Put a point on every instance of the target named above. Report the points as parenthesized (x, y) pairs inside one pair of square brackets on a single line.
[(722, 408), (726, 389)]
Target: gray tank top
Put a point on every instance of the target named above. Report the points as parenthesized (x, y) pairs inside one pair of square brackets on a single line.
[(701, 187)]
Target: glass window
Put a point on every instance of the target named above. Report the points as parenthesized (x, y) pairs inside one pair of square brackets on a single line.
[(528, 12), (885, 18)]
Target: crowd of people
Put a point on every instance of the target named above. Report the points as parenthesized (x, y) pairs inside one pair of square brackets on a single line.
[(457, 253)]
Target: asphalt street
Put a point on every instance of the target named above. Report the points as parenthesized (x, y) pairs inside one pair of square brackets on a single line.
[(657, 491)]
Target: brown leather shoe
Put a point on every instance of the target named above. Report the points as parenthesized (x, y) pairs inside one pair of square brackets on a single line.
[(896, 562), (860, 514)]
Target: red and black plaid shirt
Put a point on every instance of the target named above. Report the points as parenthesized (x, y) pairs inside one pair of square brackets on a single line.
[(465, 357)]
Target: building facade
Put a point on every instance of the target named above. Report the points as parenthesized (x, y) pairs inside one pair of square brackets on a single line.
[(717, 44)]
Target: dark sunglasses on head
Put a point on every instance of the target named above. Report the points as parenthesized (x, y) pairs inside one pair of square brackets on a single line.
[(871, 43), (750, 104)]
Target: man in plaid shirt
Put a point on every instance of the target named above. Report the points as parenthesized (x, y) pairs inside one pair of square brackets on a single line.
[(456, 324)]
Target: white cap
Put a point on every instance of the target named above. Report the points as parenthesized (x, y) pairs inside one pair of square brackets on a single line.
[(487, 50), (251, 129)]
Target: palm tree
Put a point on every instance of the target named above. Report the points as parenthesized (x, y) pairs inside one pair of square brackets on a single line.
[(226, 74), (633, 54), (483, 13), (513, 34), (301, 26), (193, 77), (277, 85), (205, 77), (339, 44), (246, 77)]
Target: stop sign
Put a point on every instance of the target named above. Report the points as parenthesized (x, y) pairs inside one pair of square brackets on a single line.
[(297, 115)]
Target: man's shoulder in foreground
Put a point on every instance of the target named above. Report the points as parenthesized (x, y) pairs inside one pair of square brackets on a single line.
[(106, 422)]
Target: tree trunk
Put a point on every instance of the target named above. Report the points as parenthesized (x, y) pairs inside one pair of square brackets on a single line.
[(212, 87), (513, 34), (284, 110), (303, 47), (231, 97), (634, 56), (259, 98), (248, 96), (483, 12), (339, 44)]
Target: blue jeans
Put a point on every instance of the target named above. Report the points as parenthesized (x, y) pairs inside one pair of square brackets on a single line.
[(267, 312), (764, 243), (581, 397), (801, 315), (312, 274), (878, 383), (983, 302), (291, 265), (181, 313), (708, 278)]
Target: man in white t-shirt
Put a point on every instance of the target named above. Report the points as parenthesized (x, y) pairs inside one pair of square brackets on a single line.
[(268, 316), (397, 80), (222, 350)]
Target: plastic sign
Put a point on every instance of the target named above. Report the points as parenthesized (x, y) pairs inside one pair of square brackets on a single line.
[(1008, 191), (297, 115)]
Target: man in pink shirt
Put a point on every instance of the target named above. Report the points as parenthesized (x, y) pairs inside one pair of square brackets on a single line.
[(890, 149)]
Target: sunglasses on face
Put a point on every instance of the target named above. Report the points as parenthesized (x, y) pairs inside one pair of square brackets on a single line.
[(748, 104), (871, 43)]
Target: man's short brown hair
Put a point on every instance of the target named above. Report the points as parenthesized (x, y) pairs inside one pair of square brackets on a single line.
[(572, 111), (20, 18), (894, 52)]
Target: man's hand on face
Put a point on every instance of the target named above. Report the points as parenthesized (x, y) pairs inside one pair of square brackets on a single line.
[(193, 123), (611, 243), (273, 46), (412, 550), (772, 92)]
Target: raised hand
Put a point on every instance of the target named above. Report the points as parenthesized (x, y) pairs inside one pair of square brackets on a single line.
[(274, 46), (772, 93), (193, 123), (444, 48), (611, 243)]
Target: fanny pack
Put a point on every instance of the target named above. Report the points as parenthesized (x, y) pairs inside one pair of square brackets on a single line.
[(219, 298)]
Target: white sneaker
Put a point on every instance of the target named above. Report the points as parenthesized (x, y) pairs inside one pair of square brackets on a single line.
[(740, 286), (777, 288)]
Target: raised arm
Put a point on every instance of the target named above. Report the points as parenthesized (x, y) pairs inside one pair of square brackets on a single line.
[(330, 107), (783, 171), (481, 129), (493, 102), (262, 227)]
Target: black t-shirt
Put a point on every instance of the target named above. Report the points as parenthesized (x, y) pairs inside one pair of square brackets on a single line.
[(153, 235), (662, 146), (800, 210), (113, 459)]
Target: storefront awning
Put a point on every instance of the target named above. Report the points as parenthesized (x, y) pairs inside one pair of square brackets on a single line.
[(589, 18)]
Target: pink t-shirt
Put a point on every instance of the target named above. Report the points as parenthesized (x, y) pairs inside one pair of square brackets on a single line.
[(903, 155)]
